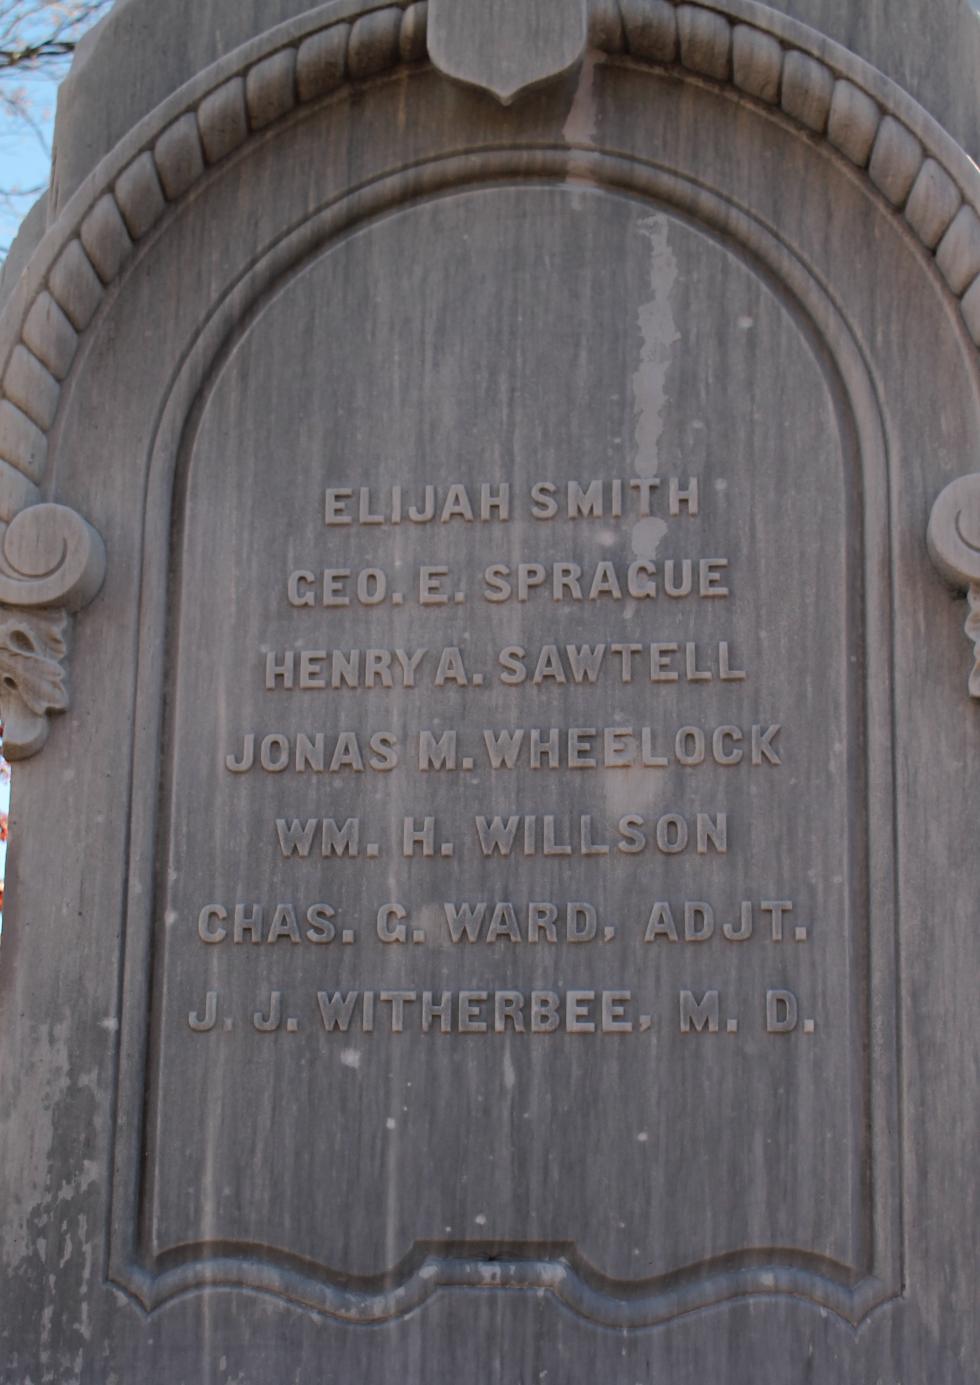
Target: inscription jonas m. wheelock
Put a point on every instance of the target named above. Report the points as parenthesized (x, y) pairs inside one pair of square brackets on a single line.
[(591, 515)]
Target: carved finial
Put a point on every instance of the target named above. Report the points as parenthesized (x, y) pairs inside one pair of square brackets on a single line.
[(51, 562), (954, 545), (506, 46)]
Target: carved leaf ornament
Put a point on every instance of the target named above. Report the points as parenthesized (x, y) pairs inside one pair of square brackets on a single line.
[(954, 544), (51, 562), (32, 681)]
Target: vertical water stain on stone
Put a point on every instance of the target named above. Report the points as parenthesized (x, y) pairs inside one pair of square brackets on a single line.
[(659, 335)]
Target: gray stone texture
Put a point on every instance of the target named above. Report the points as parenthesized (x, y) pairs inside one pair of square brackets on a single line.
[(704, 1105), (935, 56)]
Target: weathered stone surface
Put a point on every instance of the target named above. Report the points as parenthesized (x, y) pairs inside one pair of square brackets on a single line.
[(937, 60), (895, 160), (958, 255), (808, 87), (412, 35), (179, 157), (651, 29), (933, 53), (22, 441), (321, 62), (705, 41), (270, 91), (29, 233), (853, 122), (223, 119), (373, 44), (954, 545), (17, 491), (491, 638), (32, 387), (499, 886), (932, 204), (757, 60), (140, 196), (75, 285), (50, 335), (504, 46), (104, 235), (971, 309)]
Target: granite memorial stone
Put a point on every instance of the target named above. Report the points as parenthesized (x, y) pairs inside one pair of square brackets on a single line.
[(488, 491)]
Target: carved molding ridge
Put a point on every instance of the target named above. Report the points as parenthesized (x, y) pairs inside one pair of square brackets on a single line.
[(765, 57), (52, 562), (571, 1280), (155, 1271), (953, 537)]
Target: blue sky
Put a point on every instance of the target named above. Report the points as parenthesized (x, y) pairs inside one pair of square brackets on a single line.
[(28, 98), (24, 163), (25, 154)]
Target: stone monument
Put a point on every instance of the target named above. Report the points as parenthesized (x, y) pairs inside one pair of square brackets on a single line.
[(494, 891)]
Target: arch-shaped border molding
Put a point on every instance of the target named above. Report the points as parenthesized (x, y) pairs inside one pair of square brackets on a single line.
[(778, 62), (765, 57), (851, 1291)]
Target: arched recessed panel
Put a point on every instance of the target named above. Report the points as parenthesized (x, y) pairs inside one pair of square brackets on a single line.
[(393, 981), (518, 823)]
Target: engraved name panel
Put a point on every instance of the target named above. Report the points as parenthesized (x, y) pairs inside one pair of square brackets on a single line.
[(513, 876)]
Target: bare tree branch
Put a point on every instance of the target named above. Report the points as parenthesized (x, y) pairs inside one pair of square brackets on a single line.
[(37, 41), (39, 35)]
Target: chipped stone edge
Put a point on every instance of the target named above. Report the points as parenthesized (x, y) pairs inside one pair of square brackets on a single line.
[(815, 83)]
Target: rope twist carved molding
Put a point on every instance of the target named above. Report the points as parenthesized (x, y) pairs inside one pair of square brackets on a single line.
[(764, 56), (130, 192)]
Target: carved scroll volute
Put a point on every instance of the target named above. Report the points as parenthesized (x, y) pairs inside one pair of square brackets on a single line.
[(954, 545), (52, 562)]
